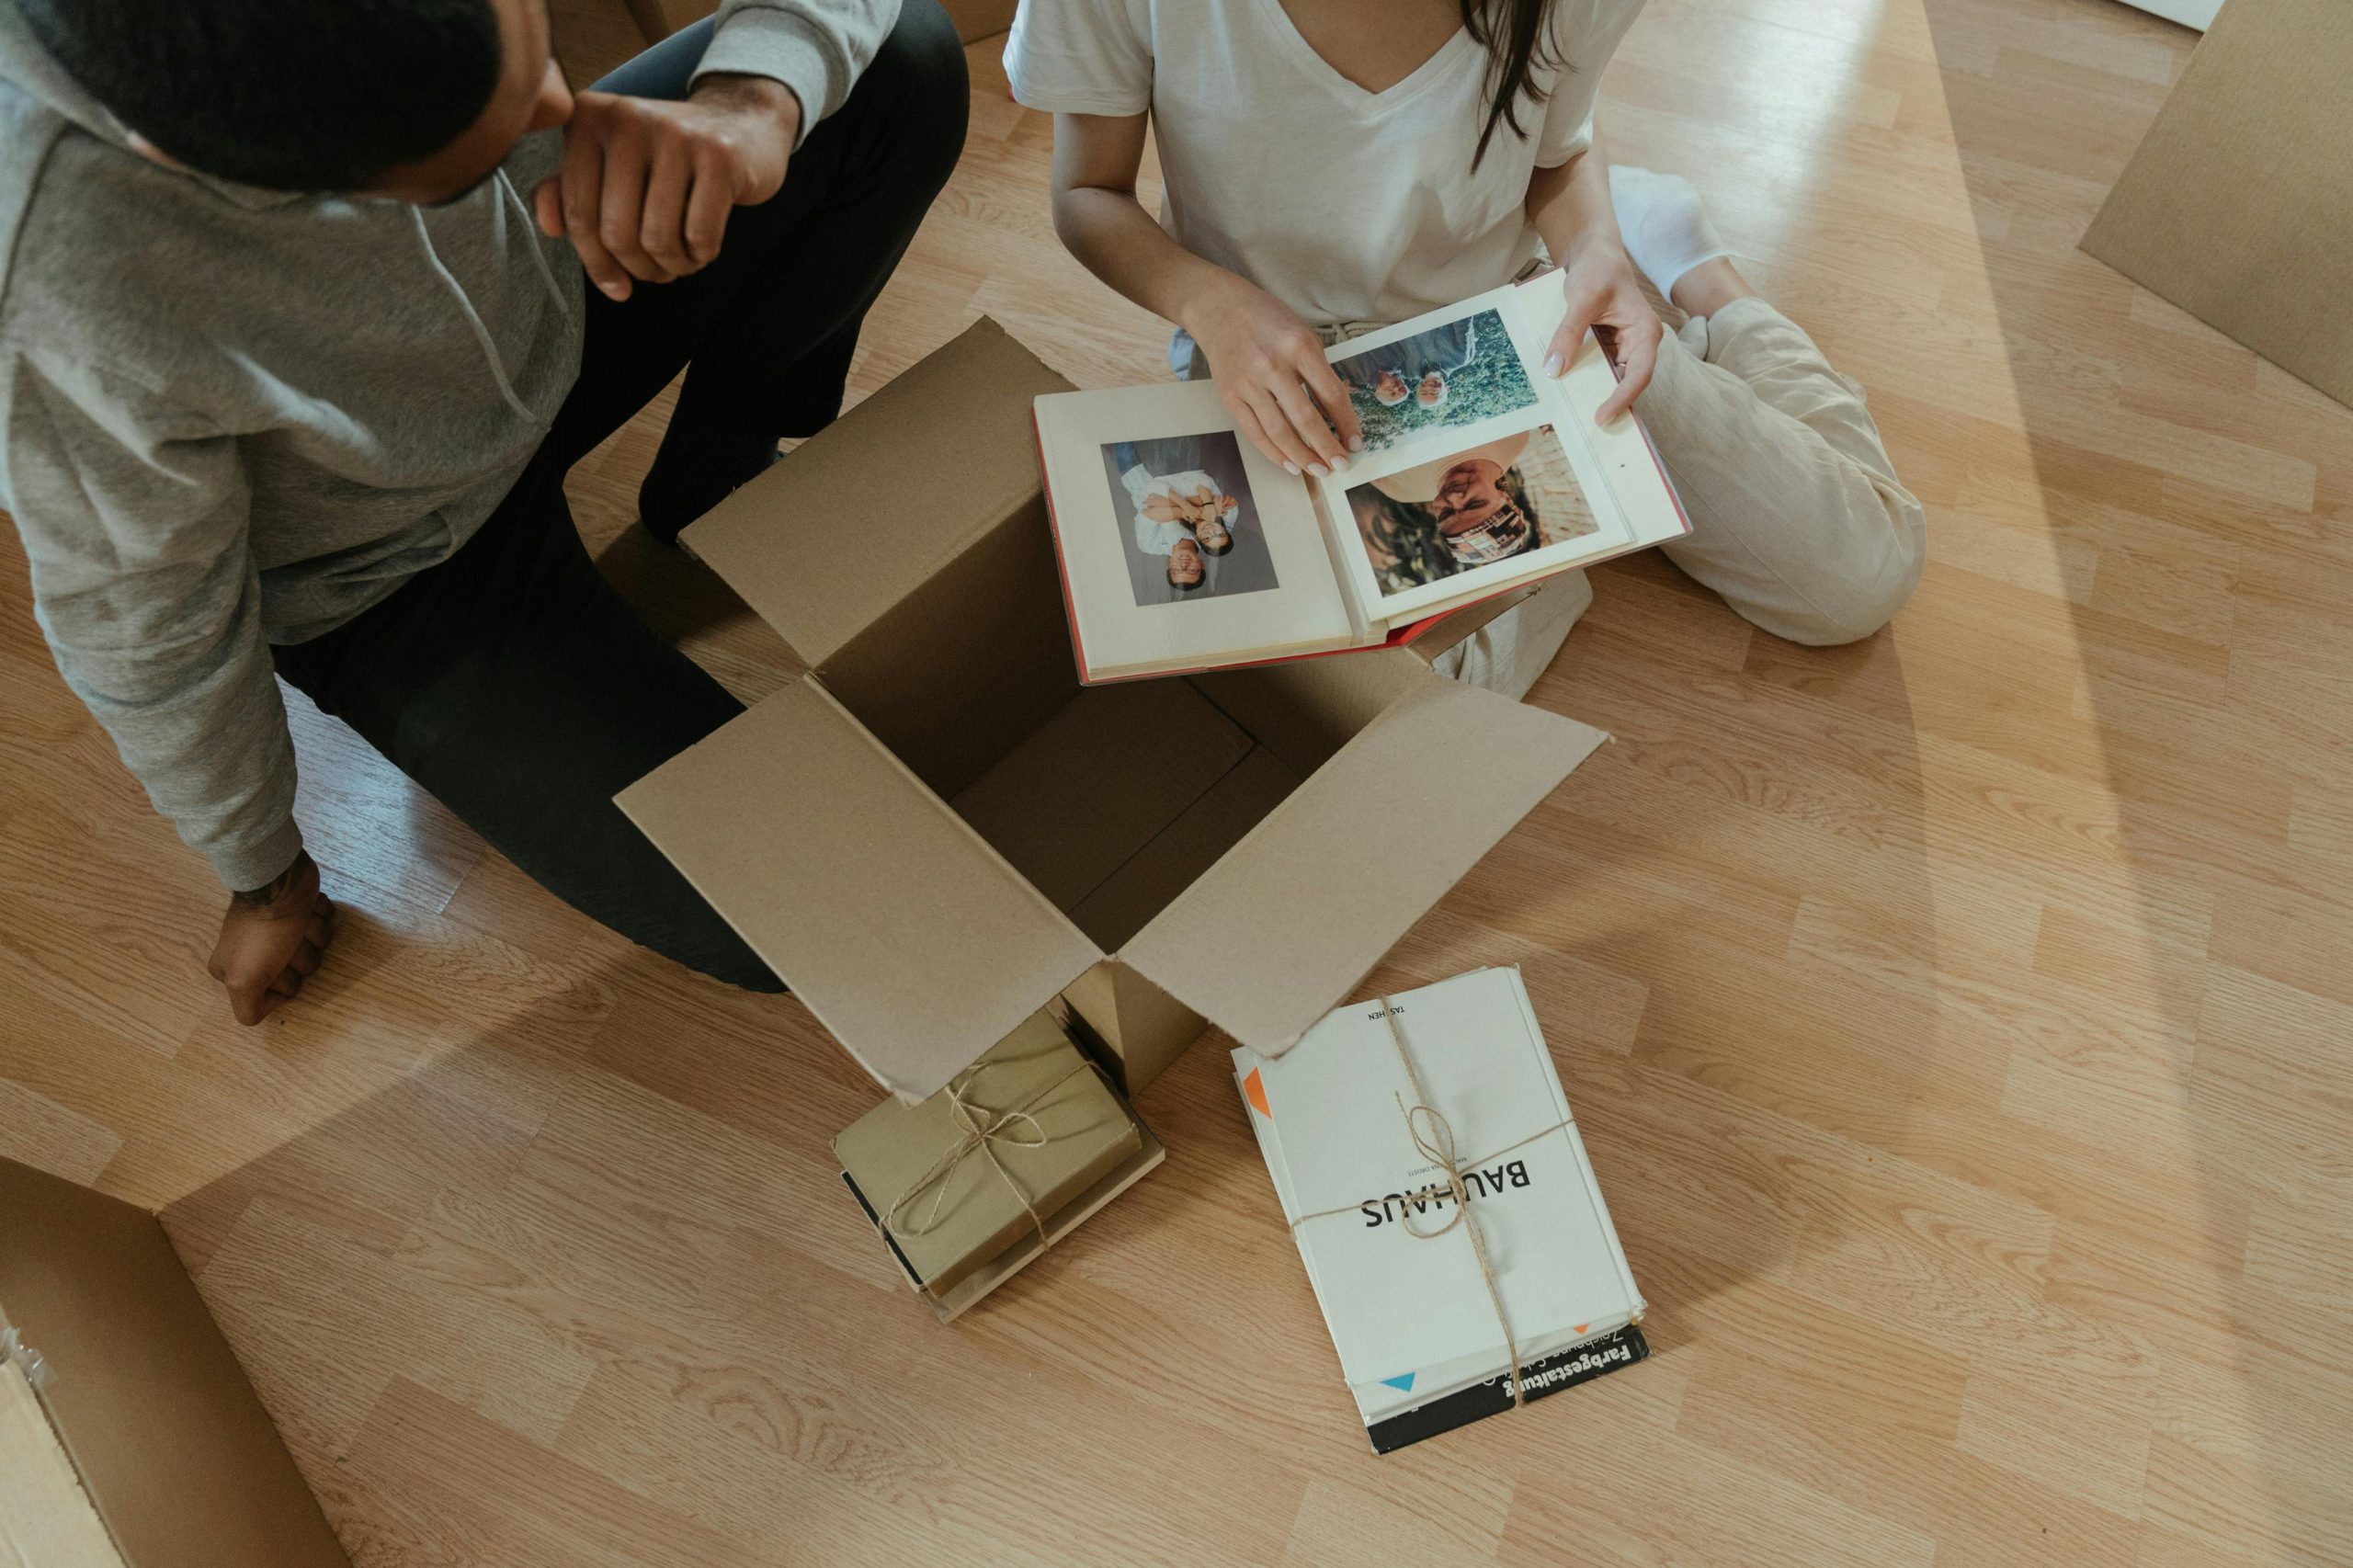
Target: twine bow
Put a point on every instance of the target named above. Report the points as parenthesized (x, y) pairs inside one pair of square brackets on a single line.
[(983, 1131), (1433, 1138)]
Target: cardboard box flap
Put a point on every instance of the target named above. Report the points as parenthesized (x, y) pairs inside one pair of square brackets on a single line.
[(857, 516), (1275, 934), (170, 1444), (906, 934)]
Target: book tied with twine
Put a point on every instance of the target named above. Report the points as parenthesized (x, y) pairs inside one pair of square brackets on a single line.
[(955, 1181), (1430, 1171)]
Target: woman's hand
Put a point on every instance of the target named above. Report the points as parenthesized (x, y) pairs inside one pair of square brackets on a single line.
[(1272, 374), (1604, 294)]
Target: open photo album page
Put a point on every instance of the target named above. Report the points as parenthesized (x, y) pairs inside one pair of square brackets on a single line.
[(1477, 472), (1181, 544)]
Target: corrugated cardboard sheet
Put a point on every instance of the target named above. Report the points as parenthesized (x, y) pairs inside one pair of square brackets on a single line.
[(147, 1399), (872, 506), (2238, 206), (1298, 913), (912, 941)]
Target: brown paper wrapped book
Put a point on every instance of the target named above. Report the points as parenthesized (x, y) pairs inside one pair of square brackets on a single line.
[(956, 1180)]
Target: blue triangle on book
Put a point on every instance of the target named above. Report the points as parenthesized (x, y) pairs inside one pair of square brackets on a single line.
[(1405, 1383)]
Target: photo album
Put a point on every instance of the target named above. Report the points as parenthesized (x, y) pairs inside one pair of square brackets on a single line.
[(1182, 548)]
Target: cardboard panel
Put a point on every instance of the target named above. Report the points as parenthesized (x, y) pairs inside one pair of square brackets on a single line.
[(1277, 932), (1095, 783), (173, 1446), (2237, 207), (867, 510), (46, 1519), (1452, 631), (1150, 880), (967, 665), (1140, 1028), (1306, 711), (911, 939)]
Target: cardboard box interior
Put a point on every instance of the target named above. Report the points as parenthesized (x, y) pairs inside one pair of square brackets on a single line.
[(45, 1519), (938, 830), (170, 1444)]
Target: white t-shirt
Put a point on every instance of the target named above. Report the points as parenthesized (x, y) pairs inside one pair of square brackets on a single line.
[(1347, 206)]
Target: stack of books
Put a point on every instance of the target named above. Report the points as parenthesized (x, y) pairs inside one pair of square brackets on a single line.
[(968, 1186), (1425, 1325)]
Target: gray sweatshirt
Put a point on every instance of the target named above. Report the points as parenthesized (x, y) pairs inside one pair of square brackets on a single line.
[(231, 417)]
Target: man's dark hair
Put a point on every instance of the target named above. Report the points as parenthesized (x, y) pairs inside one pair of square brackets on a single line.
[(288, 94)]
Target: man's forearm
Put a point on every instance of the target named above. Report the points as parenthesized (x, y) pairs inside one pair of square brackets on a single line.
[(756, 94), (817, 47), (270, 892)]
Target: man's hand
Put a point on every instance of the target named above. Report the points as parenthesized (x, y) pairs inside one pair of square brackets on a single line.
[(1606, 294), (271, 938), (647, 185)]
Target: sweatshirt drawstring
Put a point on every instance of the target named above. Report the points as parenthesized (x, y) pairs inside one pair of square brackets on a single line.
[(531, 227), (472, 316)]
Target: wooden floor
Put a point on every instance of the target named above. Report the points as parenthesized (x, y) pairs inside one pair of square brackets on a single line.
[(1960, 1022)]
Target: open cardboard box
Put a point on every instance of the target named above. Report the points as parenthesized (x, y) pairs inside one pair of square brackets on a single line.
[(938, 831)]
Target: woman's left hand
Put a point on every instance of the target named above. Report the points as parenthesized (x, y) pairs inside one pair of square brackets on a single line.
[(1606, 295)]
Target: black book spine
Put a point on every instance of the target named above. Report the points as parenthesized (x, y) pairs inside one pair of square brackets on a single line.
[(884, 1231), (1561, 1370)]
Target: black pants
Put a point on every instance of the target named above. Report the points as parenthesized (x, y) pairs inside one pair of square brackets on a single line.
[(512, 681)]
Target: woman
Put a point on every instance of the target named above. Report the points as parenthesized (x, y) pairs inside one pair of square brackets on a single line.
[(1332, 165)]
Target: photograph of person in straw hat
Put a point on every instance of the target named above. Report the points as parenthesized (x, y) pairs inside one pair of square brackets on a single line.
[(1446, 377), (1494, 502), (1191, 528)]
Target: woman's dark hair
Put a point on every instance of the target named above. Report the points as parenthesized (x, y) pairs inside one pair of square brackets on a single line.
[(1517, 42), (288, 94)]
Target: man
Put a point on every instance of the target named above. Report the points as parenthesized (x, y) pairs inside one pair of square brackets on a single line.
[(1186, 567), (295, 350)]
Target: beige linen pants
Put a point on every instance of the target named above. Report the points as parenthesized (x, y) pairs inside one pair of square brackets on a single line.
[(1797, 517)]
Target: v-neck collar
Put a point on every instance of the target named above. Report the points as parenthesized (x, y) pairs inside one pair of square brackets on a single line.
[(1304, 54)]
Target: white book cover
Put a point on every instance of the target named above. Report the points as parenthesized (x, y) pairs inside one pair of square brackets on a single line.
[(1410, 1313)]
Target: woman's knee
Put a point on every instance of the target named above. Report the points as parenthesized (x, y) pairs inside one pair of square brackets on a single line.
[(1867, 588)]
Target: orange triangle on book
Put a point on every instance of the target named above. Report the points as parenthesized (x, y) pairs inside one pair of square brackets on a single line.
[(1256, 1093)]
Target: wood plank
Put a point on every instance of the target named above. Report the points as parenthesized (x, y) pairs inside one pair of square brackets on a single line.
[(1957, 1021)]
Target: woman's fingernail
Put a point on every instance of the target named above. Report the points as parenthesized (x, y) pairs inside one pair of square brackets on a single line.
[(1338, 464), (615, 290), (1289, 467), (1319, 471), (1355, 443), (1552, 365)]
